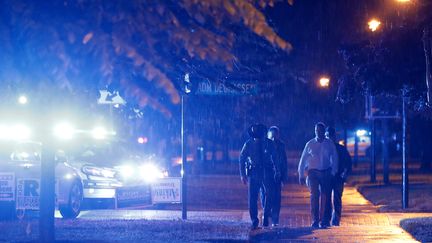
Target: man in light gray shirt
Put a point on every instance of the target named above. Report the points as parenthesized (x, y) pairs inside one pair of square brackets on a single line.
[(319, 162)]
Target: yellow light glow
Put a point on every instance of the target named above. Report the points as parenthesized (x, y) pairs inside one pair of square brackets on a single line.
[(324, 82), (374, 24), (403, 1)]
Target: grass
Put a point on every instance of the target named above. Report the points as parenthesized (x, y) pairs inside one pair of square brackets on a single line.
[(420, 228), (128, 231)]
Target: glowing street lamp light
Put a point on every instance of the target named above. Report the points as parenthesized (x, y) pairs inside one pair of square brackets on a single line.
[(22, 100), (324, 82), (374, 24), (403, 1)]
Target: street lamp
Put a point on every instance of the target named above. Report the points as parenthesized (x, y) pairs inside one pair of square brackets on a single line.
[(324, 82), (374, 24), (22, 99)]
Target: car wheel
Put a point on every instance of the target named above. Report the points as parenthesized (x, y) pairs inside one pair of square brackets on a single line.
[(73, 208)]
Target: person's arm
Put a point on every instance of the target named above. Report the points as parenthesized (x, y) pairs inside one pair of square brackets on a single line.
[(347, 161), (303, 162), (242, 161), (284, 164), (334, 158)]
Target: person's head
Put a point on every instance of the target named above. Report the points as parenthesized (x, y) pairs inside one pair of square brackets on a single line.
[(273, 133), (257, 131), (320, 130), (331, 133)]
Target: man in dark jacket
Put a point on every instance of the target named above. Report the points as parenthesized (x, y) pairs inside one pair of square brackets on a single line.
[(338, 180), (281, 177), (257, 170)]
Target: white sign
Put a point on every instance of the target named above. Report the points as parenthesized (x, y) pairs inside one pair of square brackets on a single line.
[(167, 190), (28, 192), (7, 186)]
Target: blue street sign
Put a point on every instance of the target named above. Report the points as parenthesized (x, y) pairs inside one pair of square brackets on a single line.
[(237, 88)]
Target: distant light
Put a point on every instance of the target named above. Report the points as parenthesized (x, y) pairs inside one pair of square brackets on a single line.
[(403, 1), (361, 132), (342, 142), (374, 24), (116, 105), (324, 82), (22, 100), (64, 131), (142, 140)]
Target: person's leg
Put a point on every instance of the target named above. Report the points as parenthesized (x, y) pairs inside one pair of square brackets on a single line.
[(277, 192), (254, 187), (269, 191), (263, 196), (338, 185), (313, 184), (326, 206)]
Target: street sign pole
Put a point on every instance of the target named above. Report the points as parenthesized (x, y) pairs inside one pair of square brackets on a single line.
[(184, 160), (405, 181), (47, 194)]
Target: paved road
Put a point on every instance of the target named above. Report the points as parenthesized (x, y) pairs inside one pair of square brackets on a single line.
[(224, 198)]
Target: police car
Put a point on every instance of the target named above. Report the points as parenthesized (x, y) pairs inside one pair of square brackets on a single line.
[(75, 181)]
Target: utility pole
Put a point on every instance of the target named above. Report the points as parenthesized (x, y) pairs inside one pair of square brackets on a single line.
[(184, 160), (373, 154)]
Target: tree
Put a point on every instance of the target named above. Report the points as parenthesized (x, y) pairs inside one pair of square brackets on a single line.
[(140, 48)]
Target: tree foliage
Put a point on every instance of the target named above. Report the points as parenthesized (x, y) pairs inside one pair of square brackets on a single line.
[(140, 48)]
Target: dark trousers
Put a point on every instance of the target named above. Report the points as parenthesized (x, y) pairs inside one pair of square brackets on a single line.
[(319, 183), (255, 184), (276, 200), (337, 189)]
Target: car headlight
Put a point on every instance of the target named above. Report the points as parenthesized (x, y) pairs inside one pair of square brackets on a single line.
[(96, 171), (150, 172), (64, 131)]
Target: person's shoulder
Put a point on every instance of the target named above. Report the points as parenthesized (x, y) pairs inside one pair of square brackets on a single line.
[(312, 141)]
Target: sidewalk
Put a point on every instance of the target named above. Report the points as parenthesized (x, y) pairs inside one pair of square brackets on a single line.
[(360, 221)]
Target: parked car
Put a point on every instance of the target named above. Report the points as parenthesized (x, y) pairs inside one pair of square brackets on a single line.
[(75, 181)]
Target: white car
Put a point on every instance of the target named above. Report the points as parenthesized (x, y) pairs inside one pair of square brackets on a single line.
[(20, 182)]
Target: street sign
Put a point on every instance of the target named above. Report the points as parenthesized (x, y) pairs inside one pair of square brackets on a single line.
[(7, 186), (238, 88), (139, 195), (107, 98), (28, 193), (167, 190)]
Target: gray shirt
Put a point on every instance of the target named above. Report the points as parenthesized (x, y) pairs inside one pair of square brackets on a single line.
[(319, 156)]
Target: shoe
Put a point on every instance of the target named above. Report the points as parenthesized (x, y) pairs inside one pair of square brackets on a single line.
[(315, 225), (266, 223), (334, 223), (275, 225), (254, 227), (324, 225)]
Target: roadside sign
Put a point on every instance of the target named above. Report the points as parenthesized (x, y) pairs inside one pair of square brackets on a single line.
[(7, 186), (127, 196), (237, 88), (27, 194), (167, 190)]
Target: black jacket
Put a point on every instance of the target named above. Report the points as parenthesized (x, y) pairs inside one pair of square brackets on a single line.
[(261, 154), (281, 161), (345, 162)]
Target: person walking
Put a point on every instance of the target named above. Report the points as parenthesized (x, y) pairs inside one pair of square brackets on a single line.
[(280, 178), (257, 170), (319, 160), (338, 180)]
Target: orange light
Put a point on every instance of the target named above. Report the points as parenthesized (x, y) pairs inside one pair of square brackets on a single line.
[(324, 82), (374, 24), (403, 1)]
